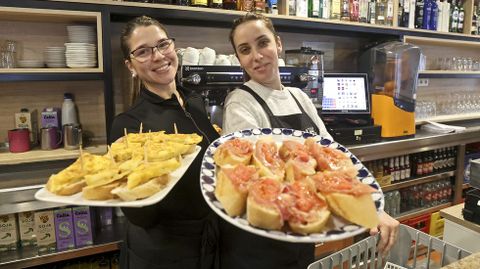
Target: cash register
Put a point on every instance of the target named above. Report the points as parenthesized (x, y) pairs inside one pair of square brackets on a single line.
[(346, 108)]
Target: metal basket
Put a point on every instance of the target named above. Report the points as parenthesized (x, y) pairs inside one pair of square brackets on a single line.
[(413, 250)]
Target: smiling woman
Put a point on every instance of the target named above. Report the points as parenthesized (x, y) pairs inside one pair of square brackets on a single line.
[(262, 102), (180, 230)]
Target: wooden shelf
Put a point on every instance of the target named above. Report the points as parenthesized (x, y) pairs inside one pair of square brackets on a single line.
[(416, 181), (449, 118), (420, 211), (36, 29), (38, 155), (221, 15), (448, 74), (418, 40), (49, 70), (106, 240)]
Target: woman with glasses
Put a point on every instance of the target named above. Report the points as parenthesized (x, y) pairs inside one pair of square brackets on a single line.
[(264, 102), (180, 231)]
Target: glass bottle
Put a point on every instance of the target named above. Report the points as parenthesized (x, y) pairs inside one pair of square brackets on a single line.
[(325, 7), (407, 167), (229, 4), (345, 11), (419, 14), (215, 3), (313, 8), (402, 168), (259, 6), (453, 17), (419, 165), (474, 30), (434, 17), (427, 13), (335, 9), (380, 12), (354, 11), (363, 10), (292, 8), (391, 170), (372, 12), (397, 169), (461, 17), (389, 15)]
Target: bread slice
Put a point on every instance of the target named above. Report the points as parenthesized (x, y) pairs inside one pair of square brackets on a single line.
[(262, 216), (103, 192), (357, 209), (144, 190), (232, 199), (66, 189), (311, 227), (233, 152)]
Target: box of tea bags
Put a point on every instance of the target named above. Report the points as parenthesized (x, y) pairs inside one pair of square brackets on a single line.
[(26, 228), (64, 228), (8, 232), (82, 223), (45, 231)]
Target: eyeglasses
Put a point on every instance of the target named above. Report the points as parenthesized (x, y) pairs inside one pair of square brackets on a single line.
[(145, 53)]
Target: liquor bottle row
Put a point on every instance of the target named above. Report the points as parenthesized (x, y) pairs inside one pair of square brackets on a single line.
[(437, 15), (395, 169), (418, 196), (52, 230)]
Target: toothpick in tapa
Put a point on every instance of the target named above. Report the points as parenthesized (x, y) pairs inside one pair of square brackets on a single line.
[(175, 128), (110, 155), (126, 138)]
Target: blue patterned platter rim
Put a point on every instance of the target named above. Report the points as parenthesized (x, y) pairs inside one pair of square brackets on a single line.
[(338, 228)]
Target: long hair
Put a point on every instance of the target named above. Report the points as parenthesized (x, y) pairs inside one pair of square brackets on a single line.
[(142, 21)]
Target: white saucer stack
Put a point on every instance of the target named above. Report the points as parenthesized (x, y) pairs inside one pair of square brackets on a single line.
[(55, 57), (81, 55), (81, 49), (81, 34)]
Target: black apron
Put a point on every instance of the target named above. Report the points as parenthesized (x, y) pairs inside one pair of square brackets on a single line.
[(243, 250), (300, 121), (184, 239)]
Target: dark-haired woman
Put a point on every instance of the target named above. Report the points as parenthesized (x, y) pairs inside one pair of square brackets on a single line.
[(264, 102), (180, 231)]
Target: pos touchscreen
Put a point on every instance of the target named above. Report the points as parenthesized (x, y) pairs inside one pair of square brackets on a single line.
[(345, 93)]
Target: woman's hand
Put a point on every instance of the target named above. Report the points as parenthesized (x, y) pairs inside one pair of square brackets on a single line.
[(388, 228)]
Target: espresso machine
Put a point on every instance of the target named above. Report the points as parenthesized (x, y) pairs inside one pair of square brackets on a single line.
[(393, 72), (214, 82)]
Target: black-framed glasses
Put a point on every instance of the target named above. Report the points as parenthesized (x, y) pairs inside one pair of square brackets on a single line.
[(144, 54)]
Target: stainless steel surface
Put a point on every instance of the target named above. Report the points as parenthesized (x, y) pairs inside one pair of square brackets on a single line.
[(422, 141), (72, 136), (216, 114), (475, 173)]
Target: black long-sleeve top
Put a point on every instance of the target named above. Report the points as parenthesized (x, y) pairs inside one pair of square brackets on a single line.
[(184, 202)]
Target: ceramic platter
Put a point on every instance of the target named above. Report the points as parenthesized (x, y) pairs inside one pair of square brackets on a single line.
[(336, 229)]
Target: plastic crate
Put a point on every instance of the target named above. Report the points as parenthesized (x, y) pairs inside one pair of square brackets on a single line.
[(412, 250), (421, 222), (436, 224)]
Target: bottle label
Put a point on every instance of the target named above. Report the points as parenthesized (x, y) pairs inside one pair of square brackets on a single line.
[(199, 2)]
